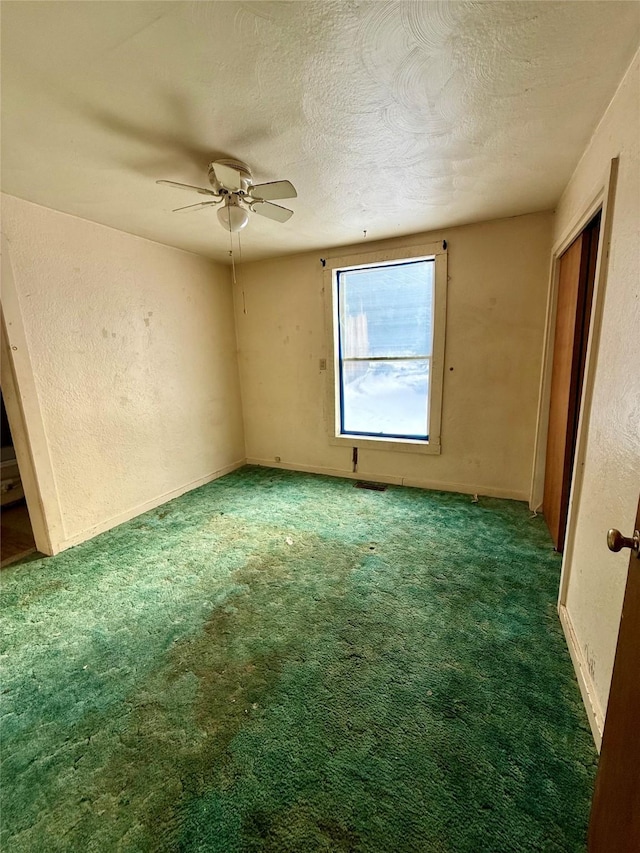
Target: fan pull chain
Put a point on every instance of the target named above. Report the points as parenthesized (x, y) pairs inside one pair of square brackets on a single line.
[(233, 265), (244, 301)]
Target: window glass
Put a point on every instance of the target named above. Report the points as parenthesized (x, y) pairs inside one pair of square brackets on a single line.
[(385, 330)]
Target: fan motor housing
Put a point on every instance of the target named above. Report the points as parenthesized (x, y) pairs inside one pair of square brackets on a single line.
[(236, 165)]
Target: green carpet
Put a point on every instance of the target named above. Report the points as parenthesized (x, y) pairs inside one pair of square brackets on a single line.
[(282, 662)]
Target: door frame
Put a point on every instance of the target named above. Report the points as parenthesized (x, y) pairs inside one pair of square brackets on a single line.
[(22, 403), (603, 199)]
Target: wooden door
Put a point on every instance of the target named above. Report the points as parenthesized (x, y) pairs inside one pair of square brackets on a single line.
[(575, 291), (615, 813)]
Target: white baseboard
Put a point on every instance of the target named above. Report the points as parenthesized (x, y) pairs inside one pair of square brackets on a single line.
[(329, 472), (466, 489), (435, 485), (585, 682), (127, 515)]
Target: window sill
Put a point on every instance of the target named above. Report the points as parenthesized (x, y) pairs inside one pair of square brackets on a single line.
[(404, 445)]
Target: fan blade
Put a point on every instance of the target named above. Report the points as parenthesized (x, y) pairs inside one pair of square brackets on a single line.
[(272, 211), (228, 176), (274, 189), (201, 190), (195, 206)]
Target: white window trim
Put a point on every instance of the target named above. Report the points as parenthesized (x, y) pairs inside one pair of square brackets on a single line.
[(427, 251)]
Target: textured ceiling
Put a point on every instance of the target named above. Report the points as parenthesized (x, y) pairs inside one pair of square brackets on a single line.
[(388, 117)]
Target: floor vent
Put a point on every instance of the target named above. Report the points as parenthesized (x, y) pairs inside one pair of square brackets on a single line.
[(374, 487)]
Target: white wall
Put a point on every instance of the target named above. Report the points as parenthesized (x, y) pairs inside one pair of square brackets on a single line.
[(496, 308), (611, 477), (133, 351)]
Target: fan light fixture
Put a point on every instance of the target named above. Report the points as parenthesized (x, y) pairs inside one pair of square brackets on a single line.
[(232, 217)]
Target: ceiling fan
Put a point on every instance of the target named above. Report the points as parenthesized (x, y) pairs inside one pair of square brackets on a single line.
[(233, 188)]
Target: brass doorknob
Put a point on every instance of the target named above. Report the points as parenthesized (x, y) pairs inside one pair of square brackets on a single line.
[(616, 541)]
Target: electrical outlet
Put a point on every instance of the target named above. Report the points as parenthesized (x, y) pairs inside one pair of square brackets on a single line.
[(323, 364)]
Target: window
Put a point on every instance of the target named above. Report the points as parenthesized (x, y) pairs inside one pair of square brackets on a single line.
[(388, 342)]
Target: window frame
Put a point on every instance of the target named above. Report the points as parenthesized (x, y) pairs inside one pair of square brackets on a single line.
[(431, 251)]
